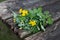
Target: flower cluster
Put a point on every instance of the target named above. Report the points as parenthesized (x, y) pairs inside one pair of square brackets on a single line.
[(23, 12), (33, 20)]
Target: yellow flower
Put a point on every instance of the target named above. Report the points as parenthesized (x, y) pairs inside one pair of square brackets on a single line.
[(20, 11), (32, 22), (14, 20), (24, 12)]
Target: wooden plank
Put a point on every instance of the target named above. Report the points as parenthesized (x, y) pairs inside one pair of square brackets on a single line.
[(56, 16), (10, 22), (23, 33), (3, 8), (16, 29), (29, 4), (12, 25), (6, 16), (3, 11)]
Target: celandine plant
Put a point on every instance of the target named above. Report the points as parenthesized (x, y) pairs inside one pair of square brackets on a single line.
[(33, 20)]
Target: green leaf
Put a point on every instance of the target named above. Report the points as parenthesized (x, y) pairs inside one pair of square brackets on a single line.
[(34, 29), (35, 10), (27, 28), (47, 14), (21, 24), (40, 9), (49, 20), (42, 27), (38, 28), (44, 22), (41, 15), (22, 18), (31, 14), (17, 20), (30, 11), (14, 14)]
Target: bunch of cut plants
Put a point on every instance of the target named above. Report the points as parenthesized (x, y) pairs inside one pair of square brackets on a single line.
[(32, 20)]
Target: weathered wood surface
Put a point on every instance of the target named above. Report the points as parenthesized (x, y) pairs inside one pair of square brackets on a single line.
[(23, 33), (6, 17), (3, 9), (10, 23), (36, 3), (30, 3)]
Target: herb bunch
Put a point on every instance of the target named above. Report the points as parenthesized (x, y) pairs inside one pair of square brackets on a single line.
[(32, 20)]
